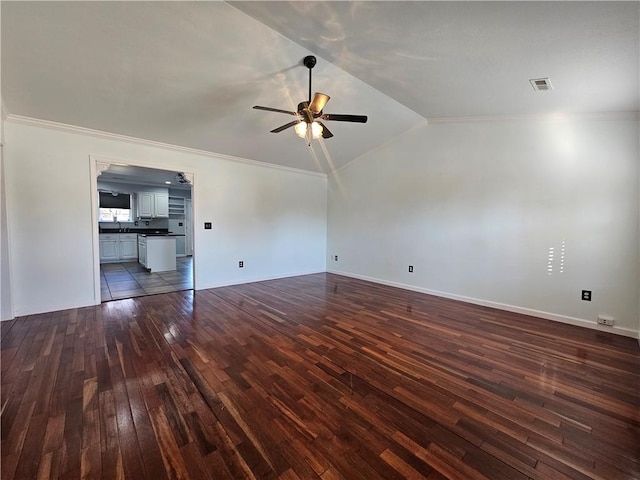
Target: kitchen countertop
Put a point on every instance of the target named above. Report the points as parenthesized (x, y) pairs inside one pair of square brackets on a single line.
[(161, 234), (147, 231)]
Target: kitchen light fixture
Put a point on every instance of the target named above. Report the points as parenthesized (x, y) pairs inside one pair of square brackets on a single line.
[(181, 178)]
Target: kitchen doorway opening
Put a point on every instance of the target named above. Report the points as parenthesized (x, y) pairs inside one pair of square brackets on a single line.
[(131, 279), (146, 245)]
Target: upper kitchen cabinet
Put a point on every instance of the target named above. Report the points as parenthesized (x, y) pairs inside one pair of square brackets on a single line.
[(153, 205)]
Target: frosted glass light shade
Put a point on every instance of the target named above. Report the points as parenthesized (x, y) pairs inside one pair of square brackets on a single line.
[(316, 130), (301, 129)]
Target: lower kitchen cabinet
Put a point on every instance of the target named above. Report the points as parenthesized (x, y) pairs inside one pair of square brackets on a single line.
[(157, 253), (142, 250), (128, 246), (117, 247), (181, 246), (109, 248)]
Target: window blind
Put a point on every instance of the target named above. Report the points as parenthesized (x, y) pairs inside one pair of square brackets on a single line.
[(122, 200)]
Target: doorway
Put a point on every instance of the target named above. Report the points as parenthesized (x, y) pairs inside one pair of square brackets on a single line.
[(156, 214)]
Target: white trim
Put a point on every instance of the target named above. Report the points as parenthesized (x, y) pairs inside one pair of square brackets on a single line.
[(94, 161), (627, 332), (257, 279), (4, 203), (48, 308), (34, 122), (94, 171)]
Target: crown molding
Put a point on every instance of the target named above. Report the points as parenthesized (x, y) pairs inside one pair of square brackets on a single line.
[(63, 127), (628, 115)]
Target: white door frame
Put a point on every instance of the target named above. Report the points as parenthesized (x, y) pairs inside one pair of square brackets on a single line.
[(97, 165)]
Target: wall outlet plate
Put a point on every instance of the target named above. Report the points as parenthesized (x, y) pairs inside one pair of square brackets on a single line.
[(410, 268), (240, 264), (586, 295), (207, 225), (606, 320)]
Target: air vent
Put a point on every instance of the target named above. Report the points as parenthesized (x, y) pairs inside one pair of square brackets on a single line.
[(541, 84)]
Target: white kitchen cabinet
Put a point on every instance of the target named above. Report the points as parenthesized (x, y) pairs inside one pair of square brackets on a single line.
[(157, 253), (145, 205), (142, 250), (181, 246), (161, 205), (153, 205), (117, 247), (109, 249), (128, 246)]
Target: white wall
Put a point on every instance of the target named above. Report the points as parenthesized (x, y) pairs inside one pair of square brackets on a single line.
[(6, 304), (272, 219), (476, 208)]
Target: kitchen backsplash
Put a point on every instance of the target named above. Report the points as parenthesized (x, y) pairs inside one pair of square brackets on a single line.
[(153, 224)]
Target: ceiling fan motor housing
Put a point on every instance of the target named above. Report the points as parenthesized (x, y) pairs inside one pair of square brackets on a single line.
[(309, 61)]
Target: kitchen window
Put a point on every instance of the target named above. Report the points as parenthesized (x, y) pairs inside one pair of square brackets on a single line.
[(115, 207)]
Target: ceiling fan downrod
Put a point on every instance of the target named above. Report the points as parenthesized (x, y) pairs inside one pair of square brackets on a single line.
[(309, 62)]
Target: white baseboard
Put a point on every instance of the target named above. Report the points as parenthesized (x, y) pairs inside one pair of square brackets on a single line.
[(37, 309), (627, 332), (207, 286)]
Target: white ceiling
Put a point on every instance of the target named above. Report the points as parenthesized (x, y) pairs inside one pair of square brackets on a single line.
[(188, 73)]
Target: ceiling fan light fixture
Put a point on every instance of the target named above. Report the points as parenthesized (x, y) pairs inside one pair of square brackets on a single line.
[(316, 130), (301, 129), (305, 125)]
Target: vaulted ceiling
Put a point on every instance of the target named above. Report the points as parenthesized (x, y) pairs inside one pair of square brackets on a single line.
[(188, 73)]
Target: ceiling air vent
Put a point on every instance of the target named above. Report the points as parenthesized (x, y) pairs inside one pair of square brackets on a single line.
[(541, 84)]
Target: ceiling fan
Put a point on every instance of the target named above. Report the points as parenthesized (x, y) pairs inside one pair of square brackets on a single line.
[(309, 114)]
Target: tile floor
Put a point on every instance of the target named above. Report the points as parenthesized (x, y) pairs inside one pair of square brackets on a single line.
[(130, 279)]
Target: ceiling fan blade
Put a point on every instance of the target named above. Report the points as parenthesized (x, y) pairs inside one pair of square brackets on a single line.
[(318, 102), (344, 118), (326, 133), (284, 127), (269, 109)]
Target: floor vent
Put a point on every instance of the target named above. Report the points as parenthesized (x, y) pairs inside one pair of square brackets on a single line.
[(541, 84)]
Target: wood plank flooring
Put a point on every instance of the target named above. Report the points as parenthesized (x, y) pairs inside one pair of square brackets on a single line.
[(314, 377)]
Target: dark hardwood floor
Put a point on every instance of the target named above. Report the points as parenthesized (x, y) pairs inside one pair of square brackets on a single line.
[(318, 376)]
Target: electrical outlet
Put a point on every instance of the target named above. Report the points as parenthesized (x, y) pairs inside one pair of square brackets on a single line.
[(240, 264), (606, 320), (335, 258), (410, 268), (207, 225), (586, 295)]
